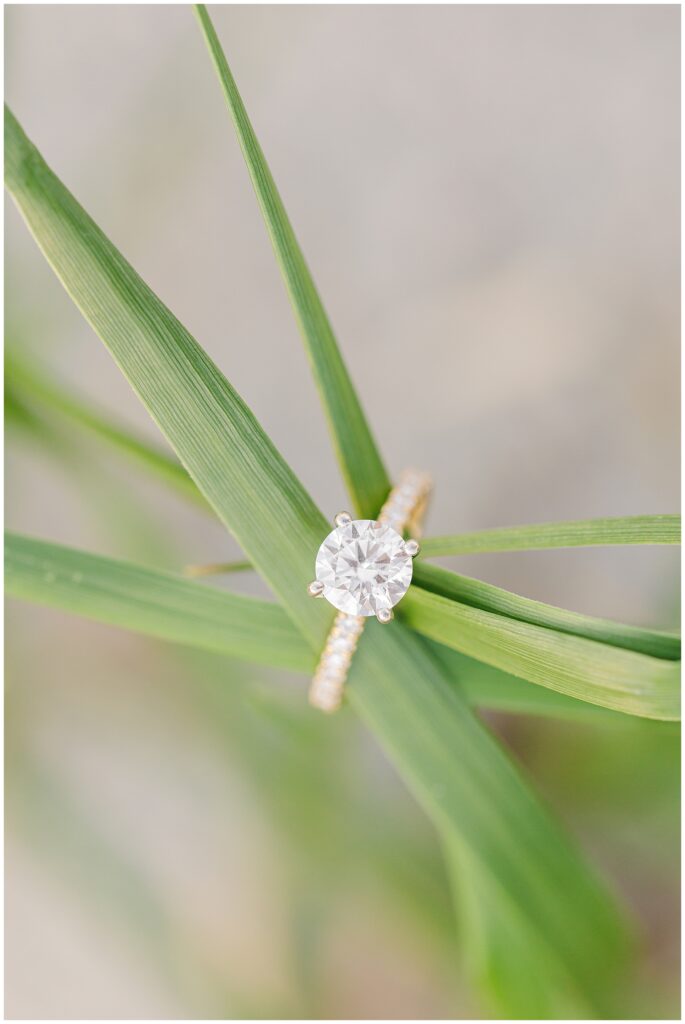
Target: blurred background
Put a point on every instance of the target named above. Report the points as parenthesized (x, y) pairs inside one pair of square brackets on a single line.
[(488, 198)]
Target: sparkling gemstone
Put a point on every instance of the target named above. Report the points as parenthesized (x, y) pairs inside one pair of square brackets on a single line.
[(335, 660), (363, 567), (339, 643)]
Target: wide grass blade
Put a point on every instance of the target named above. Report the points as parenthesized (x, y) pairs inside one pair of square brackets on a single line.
[(488, 687), (659, 529), (213, 432), (169, 607), (31, 389), (427, 730), (154, 603), (466, 782), (612, 677), (476, 594), (359, 459), (503, 955)]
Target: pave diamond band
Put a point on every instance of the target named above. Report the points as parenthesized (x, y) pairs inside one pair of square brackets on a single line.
[(328, 683), (363, 568)]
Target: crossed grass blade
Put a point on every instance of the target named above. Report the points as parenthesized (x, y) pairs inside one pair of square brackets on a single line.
[(356, 450), (655, 529), (35, 392), (611, 677), (476, 594)]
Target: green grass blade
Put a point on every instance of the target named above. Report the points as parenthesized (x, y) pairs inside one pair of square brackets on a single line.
[(27, 386), (476, 594), (154, 603), (488, 687), (426, 728), (168, 607), (213, 432), (503, 954), (467, 784), (359, 459), (611, 677), (660, 529)]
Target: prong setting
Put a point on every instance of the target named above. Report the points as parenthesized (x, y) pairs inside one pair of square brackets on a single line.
[(315, 589), (343, 519), (385, 615), (412, 547)]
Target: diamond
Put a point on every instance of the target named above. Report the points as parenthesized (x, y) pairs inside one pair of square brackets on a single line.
[(364, 567), (336, 661), (339, 643)]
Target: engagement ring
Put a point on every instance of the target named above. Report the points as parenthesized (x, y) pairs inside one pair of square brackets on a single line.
[(363, 568)]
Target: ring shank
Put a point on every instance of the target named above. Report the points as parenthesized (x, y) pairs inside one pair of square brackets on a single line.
[(403, 510)]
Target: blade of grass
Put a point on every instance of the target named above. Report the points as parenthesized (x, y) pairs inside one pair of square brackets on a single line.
[(476, 594), (659, 529), (426, 723), (33, 389), (490, 688), (465, 781), (154, 603), (614, 678), (168, 607), (357, 454), (490, 927)]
